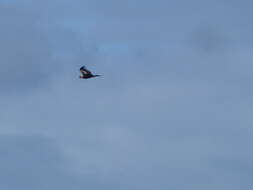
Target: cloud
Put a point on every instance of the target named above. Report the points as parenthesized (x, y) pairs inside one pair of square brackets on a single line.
[(24, 51), (172, 110), (34, 162)]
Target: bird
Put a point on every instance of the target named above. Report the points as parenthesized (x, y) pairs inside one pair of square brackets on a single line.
[(86, 74)]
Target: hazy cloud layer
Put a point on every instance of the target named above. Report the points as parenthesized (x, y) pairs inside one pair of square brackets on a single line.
[(34, 162), (172, 110)]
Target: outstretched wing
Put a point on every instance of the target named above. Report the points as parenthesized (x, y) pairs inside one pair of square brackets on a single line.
[(84, 71)]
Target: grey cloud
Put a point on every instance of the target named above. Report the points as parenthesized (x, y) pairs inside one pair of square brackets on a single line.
[(172, 110), (25, 54), (34, 162)]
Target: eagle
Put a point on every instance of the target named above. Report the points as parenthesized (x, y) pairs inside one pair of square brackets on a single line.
[(86, 74)]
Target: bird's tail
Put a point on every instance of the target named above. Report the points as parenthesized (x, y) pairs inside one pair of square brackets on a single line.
[(97, 75)]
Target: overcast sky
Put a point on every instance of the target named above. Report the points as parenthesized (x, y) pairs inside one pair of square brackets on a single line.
[(173, 109)]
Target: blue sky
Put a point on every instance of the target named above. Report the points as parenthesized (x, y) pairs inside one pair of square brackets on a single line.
[(172, 110)]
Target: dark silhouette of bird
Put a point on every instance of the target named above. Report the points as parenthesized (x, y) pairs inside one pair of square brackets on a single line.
[(86, 74)]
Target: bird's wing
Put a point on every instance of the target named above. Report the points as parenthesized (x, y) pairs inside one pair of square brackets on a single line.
[(84, 71)]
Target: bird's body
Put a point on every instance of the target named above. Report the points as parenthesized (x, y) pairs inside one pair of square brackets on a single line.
[(86, 74)]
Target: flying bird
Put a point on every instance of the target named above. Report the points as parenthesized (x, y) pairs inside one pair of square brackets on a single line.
[(86, 74)]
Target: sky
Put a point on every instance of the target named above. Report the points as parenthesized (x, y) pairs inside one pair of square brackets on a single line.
[(172, 109)]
